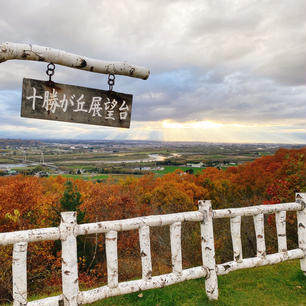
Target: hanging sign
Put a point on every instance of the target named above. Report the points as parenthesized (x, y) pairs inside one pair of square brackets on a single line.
[(61, 102)]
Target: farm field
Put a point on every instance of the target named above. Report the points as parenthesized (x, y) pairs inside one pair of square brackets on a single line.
[(166, 170), (91, 159), (85, 177), (94, 177), (169, 169)]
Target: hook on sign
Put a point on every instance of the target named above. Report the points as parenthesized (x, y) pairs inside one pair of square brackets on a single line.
[(111, 81), (50, 71)]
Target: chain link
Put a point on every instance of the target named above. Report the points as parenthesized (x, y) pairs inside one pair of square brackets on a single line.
[(50, 70), (111, 81)]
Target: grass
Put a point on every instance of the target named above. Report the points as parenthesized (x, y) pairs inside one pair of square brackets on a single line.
[(99, 177), (91, 156), (75, 176), (113, 176), (85, 177), (281, 285), (169, 169), (5, 161), (79, 166)]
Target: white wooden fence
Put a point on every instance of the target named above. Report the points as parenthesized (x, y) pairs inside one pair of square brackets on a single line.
[(69, 230)]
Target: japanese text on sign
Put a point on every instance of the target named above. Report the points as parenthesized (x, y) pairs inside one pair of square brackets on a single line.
[(52, 102), (75, 104)]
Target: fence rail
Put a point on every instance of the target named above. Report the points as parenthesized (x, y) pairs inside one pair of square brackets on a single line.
[(69, 230)]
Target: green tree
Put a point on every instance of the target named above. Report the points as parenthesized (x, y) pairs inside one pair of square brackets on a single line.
[(71, 201)]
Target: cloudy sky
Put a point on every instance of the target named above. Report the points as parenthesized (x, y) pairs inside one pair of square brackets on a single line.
[(221, 70)]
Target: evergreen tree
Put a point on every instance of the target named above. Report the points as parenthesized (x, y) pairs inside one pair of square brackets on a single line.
[(71, 201)]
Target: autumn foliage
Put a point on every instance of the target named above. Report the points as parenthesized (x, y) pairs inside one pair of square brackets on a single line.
[(28, 202)]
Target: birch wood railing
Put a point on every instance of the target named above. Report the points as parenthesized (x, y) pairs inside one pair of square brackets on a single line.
[(69, 230)]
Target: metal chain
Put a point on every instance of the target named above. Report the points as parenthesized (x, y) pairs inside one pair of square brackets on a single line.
[(111, 81), (50, 70)]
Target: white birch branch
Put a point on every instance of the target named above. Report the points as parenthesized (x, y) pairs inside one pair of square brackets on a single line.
[(111, 258), (19, 274), (260, 235), (11, 51), (301, 223), (208, 249), (161, 220), (253, 262), (176, 249), (70, 281), (136, 223), (236, 237), (145, 251), (160, 281), (40, 234), (49, 301), (255, 210), (280, 220), (53, 233)]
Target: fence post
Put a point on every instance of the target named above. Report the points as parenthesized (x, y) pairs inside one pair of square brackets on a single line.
[(236, 238), (208, 249), (301, 223), (280, 220), (19, 273), (111, 238), (260, 234), (145, 252), (176, 248), (70, 281)]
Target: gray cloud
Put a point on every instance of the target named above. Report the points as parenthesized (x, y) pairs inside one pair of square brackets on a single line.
[(238, 98)]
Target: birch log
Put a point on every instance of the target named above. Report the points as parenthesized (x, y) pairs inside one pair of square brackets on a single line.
[(111, 258), (49, 301), (301, 221), (136, 223), (10, 51), (255, 210), (260, 235), (253, 262), (19, 273), (145, 252), (159, 281), (236, 238), (70, 282), (280, 220), (176, 249), (208, 250), (40, 234)]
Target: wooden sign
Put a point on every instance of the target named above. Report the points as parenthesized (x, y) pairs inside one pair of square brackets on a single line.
[(61, 102)]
